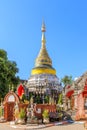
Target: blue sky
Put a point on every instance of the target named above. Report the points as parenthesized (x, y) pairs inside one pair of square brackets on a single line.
[(66, 34)]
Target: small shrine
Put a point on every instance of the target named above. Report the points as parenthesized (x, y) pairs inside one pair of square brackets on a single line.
[(13, 101), (9, 103)]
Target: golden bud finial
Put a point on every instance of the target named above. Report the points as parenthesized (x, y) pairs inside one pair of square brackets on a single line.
[(43, 28)]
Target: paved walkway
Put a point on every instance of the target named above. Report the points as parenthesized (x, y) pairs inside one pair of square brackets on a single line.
[(67, 127), (73, 126), (60, 126)]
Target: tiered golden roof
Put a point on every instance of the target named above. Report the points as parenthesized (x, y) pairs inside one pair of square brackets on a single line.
[(43, 57), (43, 63)]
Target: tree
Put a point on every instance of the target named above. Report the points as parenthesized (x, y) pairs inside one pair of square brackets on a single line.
[(8, 70), (66, 80)]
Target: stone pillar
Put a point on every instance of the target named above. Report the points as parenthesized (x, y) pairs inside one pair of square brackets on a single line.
[(75, 100), (72, 102), (65, 103), (68, 103)]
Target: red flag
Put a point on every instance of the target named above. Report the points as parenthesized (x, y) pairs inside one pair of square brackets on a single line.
[(20, 90)]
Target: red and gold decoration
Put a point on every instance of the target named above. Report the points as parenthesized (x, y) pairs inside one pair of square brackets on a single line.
[(69, 91), (20, 91)]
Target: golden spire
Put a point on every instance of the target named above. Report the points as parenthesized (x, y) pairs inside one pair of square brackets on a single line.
[(43, 29), (43, 57)]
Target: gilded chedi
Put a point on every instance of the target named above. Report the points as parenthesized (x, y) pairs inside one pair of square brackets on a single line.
[(43, 74)]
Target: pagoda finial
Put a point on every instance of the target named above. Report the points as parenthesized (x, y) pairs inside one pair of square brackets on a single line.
[(43, 57), (43, 29)]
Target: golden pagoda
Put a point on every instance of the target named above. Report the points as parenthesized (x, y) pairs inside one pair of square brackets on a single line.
[(43, 64), (43, 77)]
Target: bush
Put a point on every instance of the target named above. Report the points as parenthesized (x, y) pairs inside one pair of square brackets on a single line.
[(22, 113), (45, 114)]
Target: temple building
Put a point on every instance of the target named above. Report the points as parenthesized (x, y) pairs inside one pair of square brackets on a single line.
[(75, 97), (43, 80)]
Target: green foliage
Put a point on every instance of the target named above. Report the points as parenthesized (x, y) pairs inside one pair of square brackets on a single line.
[(22, 113), (46, 99), (38, 99), (45, 113), (67, 80), (60, 99), (30, 95), (1, 112), (23, 97), (3, 54), (8, 70)]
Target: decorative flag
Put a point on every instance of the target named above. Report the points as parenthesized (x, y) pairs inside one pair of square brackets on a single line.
[(20, 90)]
